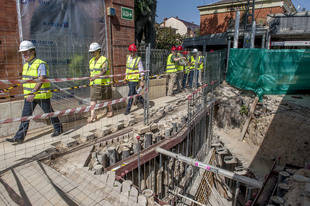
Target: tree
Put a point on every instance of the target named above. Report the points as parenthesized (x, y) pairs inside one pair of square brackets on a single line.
[(166, 37), (145, 20)]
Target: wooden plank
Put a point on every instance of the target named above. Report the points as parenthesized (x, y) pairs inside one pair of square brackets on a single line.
[(247, 122)]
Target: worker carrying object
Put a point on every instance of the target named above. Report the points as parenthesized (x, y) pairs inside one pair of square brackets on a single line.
[(34, 68), (101, 88), (133, 66)]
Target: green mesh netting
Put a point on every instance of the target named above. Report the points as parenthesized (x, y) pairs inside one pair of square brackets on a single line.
[(269, 71)]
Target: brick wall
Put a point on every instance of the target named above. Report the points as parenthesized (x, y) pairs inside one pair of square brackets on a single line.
[(123, 34), (219, 23), (10, 60)]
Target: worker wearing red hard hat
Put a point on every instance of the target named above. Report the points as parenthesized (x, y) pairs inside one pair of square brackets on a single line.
[(133, 66), (171, 70)]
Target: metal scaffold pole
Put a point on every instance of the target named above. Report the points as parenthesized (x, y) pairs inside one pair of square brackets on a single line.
[(237, 23), (253, 26), (147, 83), (211, 168)]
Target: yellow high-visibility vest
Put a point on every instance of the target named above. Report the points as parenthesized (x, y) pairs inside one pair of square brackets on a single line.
[(178, 66), (201, 62), (132, 67), (31, 72), (170, 65), (95, 68), (193, 63)]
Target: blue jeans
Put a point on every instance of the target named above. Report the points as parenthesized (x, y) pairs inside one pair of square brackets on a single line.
[(184, 80), (197, 78), (132, 91), (28, 109), (190, 78)]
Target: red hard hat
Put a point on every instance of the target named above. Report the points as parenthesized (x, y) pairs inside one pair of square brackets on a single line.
[(132, 48), (179, 48), (173, 48), (185, 52)]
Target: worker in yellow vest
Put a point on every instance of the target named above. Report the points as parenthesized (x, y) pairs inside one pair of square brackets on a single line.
[(35, 93), (195, 64), (133, 66), (101, 88), (186, 69), (180, 67), (171, 70), (200, 69)]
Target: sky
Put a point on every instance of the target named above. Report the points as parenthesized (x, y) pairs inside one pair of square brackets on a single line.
[(187, 9)]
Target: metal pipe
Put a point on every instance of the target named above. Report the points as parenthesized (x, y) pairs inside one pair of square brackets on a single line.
[(253, 26), (147, 82), (237, 193), (187, 198), (237, 23), (253, 34), (263, 41), (228, 52), (211, 168)]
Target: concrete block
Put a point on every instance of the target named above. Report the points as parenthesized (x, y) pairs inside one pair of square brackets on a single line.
[(133, 194), (104, 177), (102, 132), (123, 200), (126, 187), (67, 143), (117, 187), (142, 129), (117, 126), (87, 136), (142, 200), (111, 178)]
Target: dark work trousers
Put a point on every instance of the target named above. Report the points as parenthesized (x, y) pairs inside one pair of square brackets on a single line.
[(28, 109), (184, 80), (132, 91), (190, 78)]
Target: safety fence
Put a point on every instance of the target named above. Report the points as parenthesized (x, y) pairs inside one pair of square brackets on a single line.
[(71, 102)]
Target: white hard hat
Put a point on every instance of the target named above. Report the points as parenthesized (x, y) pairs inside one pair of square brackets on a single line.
[(25, 46), (195, 51), (94, 47)]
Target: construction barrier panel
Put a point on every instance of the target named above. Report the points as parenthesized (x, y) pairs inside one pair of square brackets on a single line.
[(266, 71)]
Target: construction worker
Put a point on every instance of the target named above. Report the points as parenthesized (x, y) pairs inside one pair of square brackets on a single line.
[(194, 68), (101, 88), (133, 66), (186, 69), (34, 68), (200, 69), (180, 67), (171, 70)]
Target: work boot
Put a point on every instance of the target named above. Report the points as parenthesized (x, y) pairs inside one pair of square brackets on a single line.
[(19, 141), (57, 132)]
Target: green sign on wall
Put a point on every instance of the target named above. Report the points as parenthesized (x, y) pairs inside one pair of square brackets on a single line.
[(127, 13)]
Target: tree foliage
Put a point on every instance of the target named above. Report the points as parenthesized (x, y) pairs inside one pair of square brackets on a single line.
[(166, 37)]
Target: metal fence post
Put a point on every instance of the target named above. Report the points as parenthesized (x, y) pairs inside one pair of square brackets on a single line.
[(147, 83)]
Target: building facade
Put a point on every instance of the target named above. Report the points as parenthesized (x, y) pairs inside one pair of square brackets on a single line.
[(218, 17), (182, 27)]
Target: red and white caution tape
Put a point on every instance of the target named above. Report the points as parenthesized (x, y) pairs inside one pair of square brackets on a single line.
[(199, 88), (69, 111), (17, 81)]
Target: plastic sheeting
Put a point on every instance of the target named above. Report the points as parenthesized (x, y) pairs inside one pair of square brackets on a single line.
[(62, 31), (269, 71)]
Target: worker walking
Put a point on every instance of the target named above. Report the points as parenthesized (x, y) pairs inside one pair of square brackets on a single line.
[(133, 66), (101, 88), (35, 93)]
